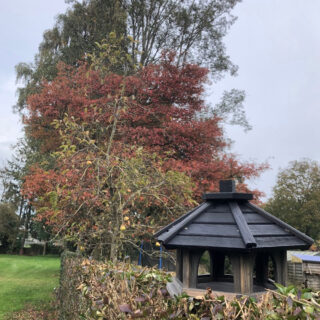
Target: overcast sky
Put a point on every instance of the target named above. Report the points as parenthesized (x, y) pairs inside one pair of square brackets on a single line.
[(276, 45)]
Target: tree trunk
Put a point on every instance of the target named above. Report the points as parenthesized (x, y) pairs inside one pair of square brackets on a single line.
[(13, 245), (114, 248), (44, 251), (21, 208), (26, 229)]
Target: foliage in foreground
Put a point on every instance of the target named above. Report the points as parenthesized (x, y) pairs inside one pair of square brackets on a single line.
[(125, 291)]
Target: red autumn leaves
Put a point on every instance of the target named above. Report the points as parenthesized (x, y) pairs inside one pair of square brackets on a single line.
[(164, 113)]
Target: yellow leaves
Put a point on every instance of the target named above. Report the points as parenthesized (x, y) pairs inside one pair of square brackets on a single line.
[(112, 35), (85, 262), (123, 182), (80, 286)]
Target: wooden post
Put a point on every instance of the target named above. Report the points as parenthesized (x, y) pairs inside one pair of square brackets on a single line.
[(262, 268), (280, 260), (179, 264), (235, 262), (242, 266), (246, 265), (191, 260), (186, 267)]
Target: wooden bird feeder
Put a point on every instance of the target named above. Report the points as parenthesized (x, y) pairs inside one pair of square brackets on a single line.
[(235, 231)]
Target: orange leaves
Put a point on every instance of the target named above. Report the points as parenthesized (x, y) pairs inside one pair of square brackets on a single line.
[(130, 152), (38, 182), (159, 109)]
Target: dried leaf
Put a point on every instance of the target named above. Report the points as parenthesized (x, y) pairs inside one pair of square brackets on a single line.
[(125, 308)]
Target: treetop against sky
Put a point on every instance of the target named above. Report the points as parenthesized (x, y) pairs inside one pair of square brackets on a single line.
[(273, 43)]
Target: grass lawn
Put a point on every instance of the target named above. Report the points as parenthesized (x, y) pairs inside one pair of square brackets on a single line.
[(26, 281)]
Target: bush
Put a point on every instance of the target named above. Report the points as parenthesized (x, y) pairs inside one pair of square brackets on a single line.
[(71, 303), (98, 291)]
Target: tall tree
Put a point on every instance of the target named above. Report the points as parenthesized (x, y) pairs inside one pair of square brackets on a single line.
[(193, 29), (296, 196), (8, 226), (101, 184), (126, 147), (167, 116), (12, 178), (73, 36)]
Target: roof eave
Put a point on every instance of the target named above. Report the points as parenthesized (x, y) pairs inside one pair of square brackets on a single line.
[(248, 249), (227, 196)]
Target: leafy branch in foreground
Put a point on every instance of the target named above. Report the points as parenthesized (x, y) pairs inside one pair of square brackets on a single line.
[(101, 193)]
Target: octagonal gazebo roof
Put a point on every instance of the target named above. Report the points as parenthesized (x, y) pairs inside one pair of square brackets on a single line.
[(227, 220)]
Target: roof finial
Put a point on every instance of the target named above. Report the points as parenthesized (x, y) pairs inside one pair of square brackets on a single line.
[(227, 186)]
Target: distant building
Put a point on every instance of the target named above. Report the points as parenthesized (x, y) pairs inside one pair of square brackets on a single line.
[(290, 253), (304, 269)]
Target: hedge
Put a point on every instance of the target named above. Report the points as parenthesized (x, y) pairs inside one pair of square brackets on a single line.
[(105, 291), (71, 303)]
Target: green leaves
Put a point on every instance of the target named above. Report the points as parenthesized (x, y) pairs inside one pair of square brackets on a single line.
[(9, 224), (104, 193), (296, 196), (53, 198)]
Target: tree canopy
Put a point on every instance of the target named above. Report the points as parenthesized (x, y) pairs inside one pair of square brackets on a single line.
[(9, 223), (165, 113), (192, 29), (131, 150), (118, 137), (296, 196)]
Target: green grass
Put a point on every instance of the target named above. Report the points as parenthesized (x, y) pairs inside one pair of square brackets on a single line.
[(26, 281)]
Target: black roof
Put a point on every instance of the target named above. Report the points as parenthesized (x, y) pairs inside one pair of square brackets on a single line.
[(227, 220)]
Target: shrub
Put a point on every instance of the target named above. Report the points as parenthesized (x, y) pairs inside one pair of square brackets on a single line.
[(70, 301), (102, 290)]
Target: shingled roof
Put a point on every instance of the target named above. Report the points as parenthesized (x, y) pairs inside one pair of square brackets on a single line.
[(227, 220)]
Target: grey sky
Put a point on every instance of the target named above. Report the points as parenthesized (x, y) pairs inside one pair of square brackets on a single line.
[(21, 27), (274, 42)]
